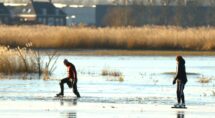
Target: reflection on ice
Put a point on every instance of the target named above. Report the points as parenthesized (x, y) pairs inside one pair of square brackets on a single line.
[(180, 114), (68, 102), (72, 115)]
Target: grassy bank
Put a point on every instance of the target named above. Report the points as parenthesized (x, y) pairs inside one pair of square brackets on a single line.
[(129, 38)]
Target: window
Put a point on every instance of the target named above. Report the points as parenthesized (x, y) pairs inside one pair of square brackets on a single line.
[(23, 10), (50, 21), (44, 11), (61, 21), (57, 21), (29, 11), (6, 19), (43, 20), (57, 12), (40, 19)]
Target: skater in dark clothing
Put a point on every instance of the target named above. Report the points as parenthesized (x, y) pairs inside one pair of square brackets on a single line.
[(181, 80), (71, 80)]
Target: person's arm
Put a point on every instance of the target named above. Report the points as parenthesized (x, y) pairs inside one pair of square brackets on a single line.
[(74, 72), (177, 74)]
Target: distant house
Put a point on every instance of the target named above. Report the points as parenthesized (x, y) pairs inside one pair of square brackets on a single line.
[(80, 15), (22, 15), (5, 17), (38, 13)]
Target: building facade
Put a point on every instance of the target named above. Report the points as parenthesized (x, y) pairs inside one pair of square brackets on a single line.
[(5, 16), (77, 15), (38, 13)]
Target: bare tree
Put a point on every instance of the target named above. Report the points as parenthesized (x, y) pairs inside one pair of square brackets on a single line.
[(181, 2), (120, 2), (116, 2), (212, 2), (136, 2), (192, 3), (119, 16), (166, 2)]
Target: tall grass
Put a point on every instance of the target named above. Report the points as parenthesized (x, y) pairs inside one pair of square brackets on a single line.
[(107, 72), (112, 75), (205, 79), (17, 61), (26, 61), (147, 37)]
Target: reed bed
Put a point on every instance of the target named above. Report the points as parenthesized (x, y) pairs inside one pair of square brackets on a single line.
[(108, 72), (129, 38), (205, 80), (17, 61), (26, 61), (113, 75)]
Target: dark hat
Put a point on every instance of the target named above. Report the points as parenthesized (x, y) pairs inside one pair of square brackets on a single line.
[(65, 61)]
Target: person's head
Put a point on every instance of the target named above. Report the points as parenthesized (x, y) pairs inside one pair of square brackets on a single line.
[(66, 62), (180, 59)]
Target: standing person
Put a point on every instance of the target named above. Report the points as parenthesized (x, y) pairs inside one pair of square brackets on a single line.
[(71, 80), (181, 79)]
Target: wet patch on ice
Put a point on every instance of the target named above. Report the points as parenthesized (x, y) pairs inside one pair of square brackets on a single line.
[(91, 99)]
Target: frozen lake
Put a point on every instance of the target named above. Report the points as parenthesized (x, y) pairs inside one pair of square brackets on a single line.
[(146, 82)]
